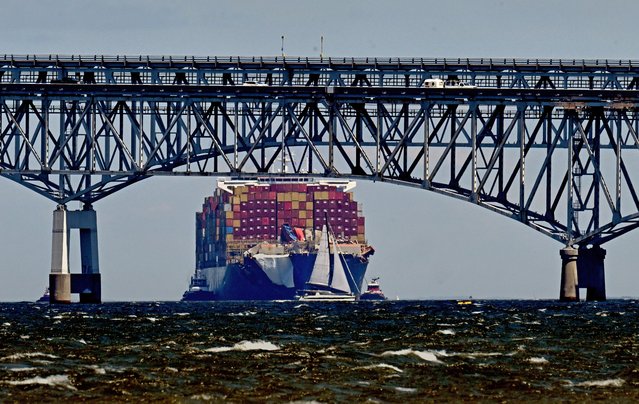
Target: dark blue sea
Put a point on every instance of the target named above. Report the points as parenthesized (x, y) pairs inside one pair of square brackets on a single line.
[(399, 351)]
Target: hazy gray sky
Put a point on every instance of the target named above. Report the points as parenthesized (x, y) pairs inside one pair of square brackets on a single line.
[(427, 245)]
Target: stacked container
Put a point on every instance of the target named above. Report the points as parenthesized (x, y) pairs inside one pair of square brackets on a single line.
[(243, 214)]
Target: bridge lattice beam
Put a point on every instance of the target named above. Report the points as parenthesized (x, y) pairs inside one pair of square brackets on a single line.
[(563, 162)]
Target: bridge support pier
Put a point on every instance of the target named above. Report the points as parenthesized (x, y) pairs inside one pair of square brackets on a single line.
[(591, 272), (569, 289), (61, 282), (583, 268)]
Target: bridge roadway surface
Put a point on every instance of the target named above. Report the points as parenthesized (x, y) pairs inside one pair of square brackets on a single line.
[(505, 96), (390, 64), (379, 72)]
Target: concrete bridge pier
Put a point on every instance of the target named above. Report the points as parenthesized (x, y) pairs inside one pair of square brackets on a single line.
[(569, 289), (582, 268), (61, 282), (590, 266)]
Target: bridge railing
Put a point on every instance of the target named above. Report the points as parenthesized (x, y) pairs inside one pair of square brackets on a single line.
[(17, 60)]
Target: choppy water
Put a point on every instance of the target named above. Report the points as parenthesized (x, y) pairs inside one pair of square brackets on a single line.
[(385, 351)]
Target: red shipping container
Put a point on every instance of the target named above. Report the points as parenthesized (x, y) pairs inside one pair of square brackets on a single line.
[(265, 220)]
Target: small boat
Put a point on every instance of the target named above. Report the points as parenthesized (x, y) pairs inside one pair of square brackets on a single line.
[(373, 291), (464, 302), (328, 282), (45, 297)]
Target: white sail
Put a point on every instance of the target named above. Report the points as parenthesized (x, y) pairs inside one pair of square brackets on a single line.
[(321, 269), (339, 281)]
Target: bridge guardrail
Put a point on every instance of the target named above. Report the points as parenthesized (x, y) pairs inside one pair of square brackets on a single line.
[(395, 62)]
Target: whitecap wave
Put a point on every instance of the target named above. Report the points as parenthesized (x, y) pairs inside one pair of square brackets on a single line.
[(539, 360), (446, 332), (258, 345), (602, 383), (406, 389), (428, 356), (53, 380), (243, 314), (474, 355), (21, 369), (26, 355), (382, 366)]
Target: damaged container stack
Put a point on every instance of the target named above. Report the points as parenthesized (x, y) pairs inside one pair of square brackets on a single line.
[(282, 216)]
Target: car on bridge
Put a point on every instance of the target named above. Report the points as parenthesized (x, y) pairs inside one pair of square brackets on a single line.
[(254, 83), (439, 83)]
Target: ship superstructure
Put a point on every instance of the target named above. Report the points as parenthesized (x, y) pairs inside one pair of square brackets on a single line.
[(257, 238)]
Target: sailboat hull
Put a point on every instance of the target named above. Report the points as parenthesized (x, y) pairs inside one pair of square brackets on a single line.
[(326, 296)]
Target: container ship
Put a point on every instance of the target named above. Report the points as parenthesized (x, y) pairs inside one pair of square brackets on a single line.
[(257, 238)]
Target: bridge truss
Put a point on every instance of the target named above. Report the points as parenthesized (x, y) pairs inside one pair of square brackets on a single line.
[(552, 144)]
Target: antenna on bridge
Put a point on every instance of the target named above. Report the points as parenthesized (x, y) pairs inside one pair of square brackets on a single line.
[(282, 46), (322, 47)]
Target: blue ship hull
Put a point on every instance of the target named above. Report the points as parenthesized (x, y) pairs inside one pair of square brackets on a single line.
[(247, 281)]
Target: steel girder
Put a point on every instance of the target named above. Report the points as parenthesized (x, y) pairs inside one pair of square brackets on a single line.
[(322, 72), (563, 162)]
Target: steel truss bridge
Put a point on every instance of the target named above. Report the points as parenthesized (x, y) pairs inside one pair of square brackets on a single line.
[(553, 144)]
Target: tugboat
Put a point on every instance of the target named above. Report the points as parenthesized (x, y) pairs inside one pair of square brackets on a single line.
[(373, 291), (45, 297)]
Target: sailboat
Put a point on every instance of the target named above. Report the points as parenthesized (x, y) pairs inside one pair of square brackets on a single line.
[(327, 283)]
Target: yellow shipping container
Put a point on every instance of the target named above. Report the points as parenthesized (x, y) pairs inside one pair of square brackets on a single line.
[(309, 223), (302, 212), (237, 222), (244, 198), (229, 237), (236, 200), (295, 205), (285, 197), (241, 190), (229, 215)]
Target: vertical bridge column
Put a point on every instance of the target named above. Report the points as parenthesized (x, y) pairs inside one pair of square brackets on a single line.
[(569, 288), (60, 278), (590, 266), (61, 282), (583, 268)]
